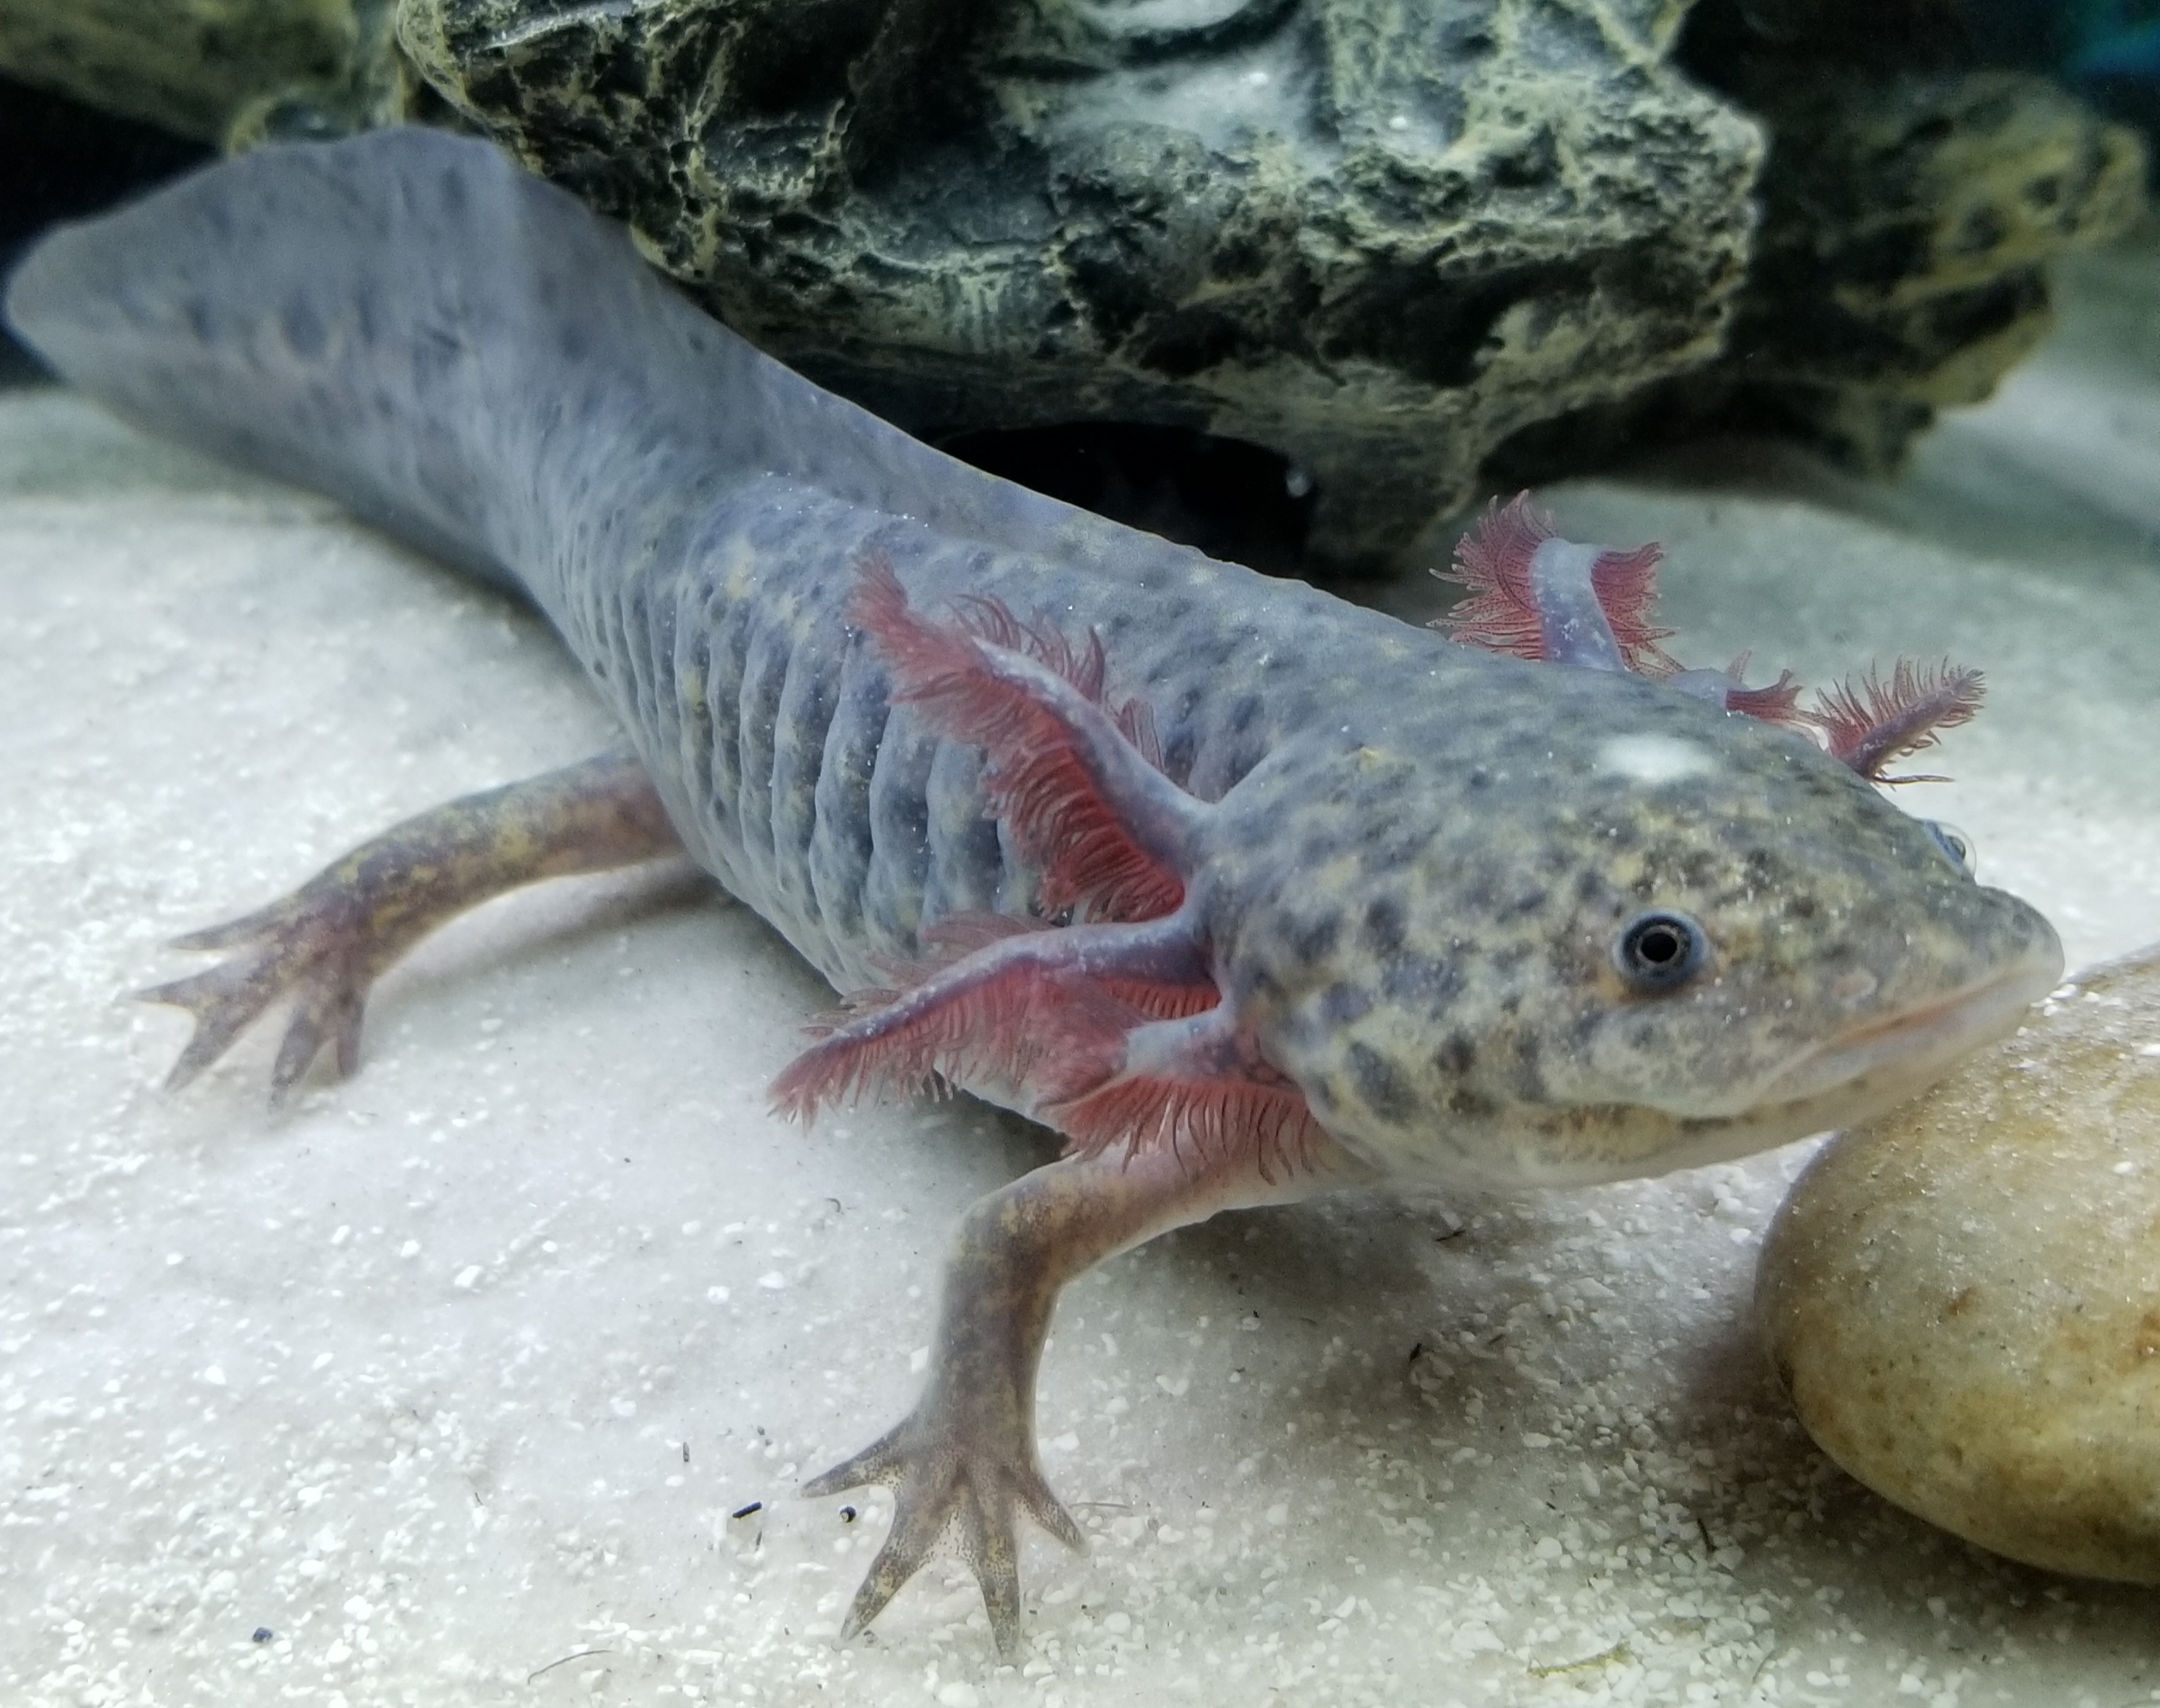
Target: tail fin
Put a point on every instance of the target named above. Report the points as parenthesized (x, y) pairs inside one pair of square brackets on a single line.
[(459, 351), (308, 312)]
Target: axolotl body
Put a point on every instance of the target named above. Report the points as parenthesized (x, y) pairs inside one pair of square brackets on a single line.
[(1249, 892)]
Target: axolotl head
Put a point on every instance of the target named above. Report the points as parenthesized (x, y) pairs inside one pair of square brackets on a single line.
[(1609, 933)]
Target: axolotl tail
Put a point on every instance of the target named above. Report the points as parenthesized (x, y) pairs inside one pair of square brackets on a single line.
[(458, 351), (466, 356)]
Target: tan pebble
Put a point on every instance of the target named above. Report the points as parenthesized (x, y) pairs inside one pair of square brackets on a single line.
[(1963, 1297)]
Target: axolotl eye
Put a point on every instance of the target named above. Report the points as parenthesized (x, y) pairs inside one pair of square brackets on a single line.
[(1955, 845), (1658, 952)]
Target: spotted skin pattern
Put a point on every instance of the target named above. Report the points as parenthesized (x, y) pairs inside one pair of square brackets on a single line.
[(1408, 867)]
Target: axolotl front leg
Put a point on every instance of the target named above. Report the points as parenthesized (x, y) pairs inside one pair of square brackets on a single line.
[(964, 1460), (1111, 1030)]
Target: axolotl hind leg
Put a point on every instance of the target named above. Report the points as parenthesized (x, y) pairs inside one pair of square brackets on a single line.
[(325, 944)]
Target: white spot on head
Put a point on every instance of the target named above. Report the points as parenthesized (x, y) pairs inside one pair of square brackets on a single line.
[(1655, 759)]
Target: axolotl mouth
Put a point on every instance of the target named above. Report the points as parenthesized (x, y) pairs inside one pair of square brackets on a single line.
[(1850, 1076), (1884, 1060), (1892, 1056)]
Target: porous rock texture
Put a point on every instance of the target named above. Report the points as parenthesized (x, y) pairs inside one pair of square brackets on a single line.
[(1899, 267), (1909, 205), (1376, 237), (1964, 1296), (1285, 278)]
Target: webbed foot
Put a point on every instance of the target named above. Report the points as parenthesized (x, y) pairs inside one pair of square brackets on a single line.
[(313, 946), (961, 1462), (327, 943)]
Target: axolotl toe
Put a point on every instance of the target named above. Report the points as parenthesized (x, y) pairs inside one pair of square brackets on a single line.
[(1248, 892)]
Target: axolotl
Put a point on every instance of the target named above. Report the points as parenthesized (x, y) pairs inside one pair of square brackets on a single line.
[(1249, 892)]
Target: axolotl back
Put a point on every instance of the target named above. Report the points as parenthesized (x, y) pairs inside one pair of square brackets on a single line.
[(1249, 892)]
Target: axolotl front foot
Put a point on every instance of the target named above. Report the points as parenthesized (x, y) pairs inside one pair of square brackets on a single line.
[(963, 1461), (322, 947)]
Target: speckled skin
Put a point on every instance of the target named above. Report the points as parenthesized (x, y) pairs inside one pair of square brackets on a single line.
[(1409, 883)]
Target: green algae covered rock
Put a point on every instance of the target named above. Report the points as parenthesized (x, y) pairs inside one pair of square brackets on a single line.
[(1963, 1297)]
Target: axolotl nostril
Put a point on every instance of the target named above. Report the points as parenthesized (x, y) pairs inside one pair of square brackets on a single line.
[(1247, 891)]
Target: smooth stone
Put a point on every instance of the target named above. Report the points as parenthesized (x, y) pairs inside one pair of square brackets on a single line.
[(1963, 1298)]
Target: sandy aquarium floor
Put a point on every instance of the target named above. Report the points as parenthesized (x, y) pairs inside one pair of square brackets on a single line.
[(442, 1386)]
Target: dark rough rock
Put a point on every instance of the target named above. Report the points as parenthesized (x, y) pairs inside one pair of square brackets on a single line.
[(1900, 268), (1373, 237), (1288, 278), (1906, 221)]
